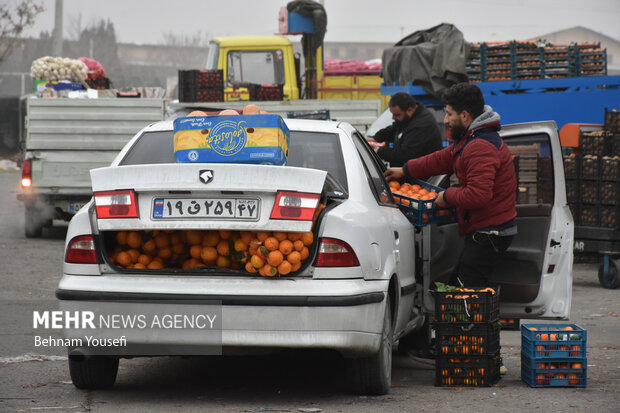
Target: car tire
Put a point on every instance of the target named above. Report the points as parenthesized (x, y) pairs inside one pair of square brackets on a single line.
[(33, 223), (91, 373), (608, 275), (419, 340), (373, 375)]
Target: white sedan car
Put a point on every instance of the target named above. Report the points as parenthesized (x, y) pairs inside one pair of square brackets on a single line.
[(351, 289)]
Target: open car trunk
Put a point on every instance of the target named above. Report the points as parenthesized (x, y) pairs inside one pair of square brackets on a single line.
[(535, 273), (211, 218)]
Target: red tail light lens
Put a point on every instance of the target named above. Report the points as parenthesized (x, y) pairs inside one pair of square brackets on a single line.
[(299, 206), (116, 204), (27, 174), (336, 253), (81, 250)]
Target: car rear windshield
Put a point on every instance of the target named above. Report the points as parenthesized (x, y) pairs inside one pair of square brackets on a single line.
[(314, 150)]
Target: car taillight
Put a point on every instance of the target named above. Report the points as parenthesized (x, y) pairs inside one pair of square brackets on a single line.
[(81, 250), (27, 174), (116, 204), (298, 206), (336, 253)]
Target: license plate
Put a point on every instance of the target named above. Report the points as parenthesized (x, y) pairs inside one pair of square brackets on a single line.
[(73, 208), (212, 208)]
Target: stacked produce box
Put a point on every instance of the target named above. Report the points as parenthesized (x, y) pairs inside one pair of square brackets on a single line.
[(553, 355), (201, 86), (593, 177), (522, 60), (467, 343)]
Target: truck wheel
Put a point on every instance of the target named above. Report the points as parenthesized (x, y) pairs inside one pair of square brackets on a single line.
[(34, 223), (608, 273), (90, 373), (419, 340), (373, 375)]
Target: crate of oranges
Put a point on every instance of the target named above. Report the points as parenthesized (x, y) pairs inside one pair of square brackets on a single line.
[(468, 371), (554, 372), (417, 202), (467, 338), (467, 305), (540, 341)]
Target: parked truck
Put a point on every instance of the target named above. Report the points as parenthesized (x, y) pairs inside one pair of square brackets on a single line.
[(65, 138)]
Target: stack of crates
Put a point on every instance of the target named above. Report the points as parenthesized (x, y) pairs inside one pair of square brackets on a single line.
[(590, 59), (467, 343), (201, 86), (593, 177), (553, 355)]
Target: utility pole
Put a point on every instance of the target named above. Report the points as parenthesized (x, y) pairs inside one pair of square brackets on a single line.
[(57, 33)]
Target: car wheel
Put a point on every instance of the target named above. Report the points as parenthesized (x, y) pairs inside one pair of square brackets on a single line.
[(608, 273), (34, 223), (419, 340), (90, 373), (373, 375)]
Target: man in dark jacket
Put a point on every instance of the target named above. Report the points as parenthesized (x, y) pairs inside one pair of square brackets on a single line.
[(413, 134), (485, 199)]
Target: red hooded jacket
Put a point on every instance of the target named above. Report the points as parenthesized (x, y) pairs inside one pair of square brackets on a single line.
[(484, 167)]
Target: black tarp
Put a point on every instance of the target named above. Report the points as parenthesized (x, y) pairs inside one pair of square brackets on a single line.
[(310, 8), (433, 59)]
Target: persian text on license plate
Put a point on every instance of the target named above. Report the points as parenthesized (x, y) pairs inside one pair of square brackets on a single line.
[(235, 208)]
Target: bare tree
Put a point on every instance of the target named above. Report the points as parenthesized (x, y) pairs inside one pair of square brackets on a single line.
[(14, 21), (197, 39), (75, 26)]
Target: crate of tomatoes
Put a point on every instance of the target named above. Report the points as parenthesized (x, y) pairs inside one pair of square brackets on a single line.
[(417, 202)]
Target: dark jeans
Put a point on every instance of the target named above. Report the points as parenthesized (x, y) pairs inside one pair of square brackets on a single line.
[(480, 255)]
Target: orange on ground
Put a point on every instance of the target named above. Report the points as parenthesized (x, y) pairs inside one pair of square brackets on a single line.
[(275, 258), (223, 248), (286, 247), (294, 257), (271, 243)]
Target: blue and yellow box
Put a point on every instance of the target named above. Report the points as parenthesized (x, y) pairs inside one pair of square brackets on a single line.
[(255, 139)]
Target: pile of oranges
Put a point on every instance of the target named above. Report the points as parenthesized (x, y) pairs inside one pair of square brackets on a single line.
[(414, 191), (258, 252)]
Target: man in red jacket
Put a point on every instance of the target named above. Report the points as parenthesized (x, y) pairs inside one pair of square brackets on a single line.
[(486, 196)]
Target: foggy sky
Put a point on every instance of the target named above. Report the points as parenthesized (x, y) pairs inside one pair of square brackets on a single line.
[(143, 22)]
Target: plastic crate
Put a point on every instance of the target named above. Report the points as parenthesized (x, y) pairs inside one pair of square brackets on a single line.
[(422, 212), (99, 83), (554, 372), (609, 217), (467, 339), (588, 215), (571, 166), (589, 191), (572, 190), (265, 92), (466, 307), (612, 121), (541, 341), (590, 167), (610, 168), (512, 324), (593, 143), (608, 193), (482, 371)]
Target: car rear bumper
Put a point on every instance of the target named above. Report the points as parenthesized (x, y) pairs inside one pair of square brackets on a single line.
[(296, 315)]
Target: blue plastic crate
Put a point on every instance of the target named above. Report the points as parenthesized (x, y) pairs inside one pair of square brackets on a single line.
[(541, 341), (424, 212), (554, 372)]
